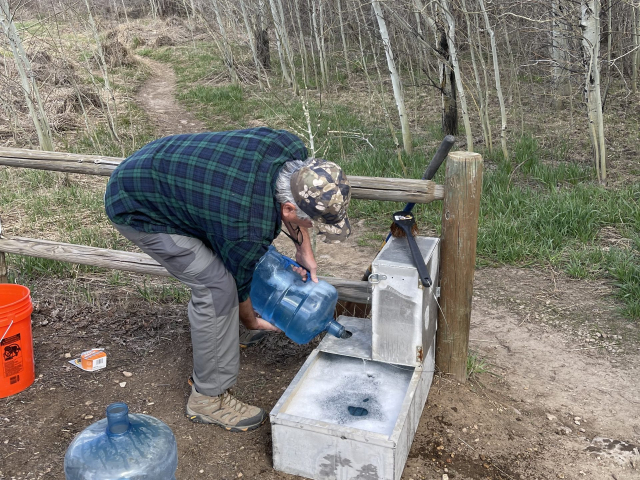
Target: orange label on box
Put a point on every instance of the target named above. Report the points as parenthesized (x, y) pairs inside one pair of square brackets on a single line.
[(93, 360)]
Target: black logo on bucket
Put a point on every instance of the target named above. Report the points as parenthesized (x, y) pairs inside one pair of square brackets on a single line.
[(15, 379), (11, 351), (11, 356)]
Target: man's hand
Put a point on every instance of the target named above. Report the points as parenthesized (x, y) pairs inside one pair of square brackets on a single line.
[(252, 321), (308, 261), (261, 324)]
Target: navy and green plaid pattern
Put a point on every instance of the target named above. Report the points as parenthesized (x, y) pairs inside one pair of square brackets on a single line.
[(215, 186)]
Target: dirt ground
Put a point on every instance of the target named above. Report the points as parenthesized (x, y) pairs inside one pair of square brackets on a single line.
[(558, 398)]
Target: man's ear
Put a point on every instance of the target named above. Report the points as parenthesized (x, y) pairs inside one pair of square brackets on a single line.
[(289, 211)]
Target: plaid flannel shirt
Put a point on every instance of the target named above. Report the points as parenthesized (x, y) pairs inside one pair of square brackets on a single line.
[(218, 187)]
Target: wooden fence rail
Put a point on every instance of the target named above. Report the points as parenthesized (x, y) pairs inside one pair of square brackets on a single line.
[(368, 188), (348, 290)]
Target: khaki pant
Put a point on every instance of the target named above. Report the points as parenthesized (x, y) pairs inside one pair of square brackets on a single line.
[(213, 308)]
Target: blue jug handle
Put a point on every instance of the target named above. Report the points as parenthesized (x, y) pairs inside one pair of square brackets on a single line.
[(291, 262)]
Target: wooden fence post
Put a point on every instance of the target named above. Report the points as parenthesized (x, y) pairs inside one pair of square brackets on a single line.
[(3, 263), (3, 269), (461, 208)]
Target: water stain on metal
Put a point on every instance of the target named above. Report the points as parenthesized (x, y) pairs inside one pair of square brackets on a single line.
[(358, 411)]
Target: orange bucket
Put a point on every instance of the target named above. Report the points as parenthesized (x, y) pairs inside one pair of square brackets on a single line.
[(17, 370)]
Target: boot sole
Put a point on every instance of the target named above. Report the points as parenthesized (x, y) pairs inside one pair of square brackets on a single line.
[(197, 418)]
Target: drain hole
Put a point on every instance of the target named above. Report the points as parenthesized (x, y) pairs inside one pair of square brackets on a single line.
[(358, 411), (346, 334), (365, 400)]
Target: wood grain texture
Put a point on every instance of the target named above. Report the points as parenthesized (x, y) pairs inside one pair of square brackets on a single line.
[(461, 209), (367, 188), (3, 269), (348, 290)]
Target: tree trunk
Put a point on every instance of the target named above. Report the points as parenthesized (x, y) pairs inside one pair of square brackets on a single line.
[(226, 47), (253, 44), (318, 28), (277, 23), (590, 25), (303, 47), (395, 78), (456, 69), (27, 79), (262, 39), (559, 51), (447, 89), (483, 69), (476, 76), (344, 40), (496, 69), (635, 11)]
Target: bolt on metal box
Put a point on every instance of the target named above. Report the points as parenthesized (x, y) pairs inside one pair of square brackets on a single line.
[(403, 311)]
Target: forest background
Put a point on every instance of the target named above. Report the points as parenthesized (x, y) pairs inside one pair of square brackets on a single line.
[(545, 90)]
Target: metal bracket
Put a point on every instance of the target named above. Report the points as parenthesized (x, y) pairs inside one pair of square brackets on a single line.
[(437, 292), (376, 278)]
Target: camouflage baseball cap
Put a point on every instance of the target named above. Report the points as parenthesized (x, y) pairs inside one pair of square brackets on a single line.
[(322, 191)]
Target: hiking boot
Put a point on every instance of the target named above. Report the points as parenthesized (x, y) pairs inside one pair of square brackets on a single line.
[(249, 338), (224, 410)]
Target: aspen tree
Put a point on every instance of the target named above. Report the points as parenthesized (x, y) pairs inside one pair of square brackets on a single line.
[(154, 8), (363, 56), (482, 107), (288, 49), (279, 41), (590, 26), (262, 37), (252, 44), (456, 68), (27, 80), (395, 78), (344, 39), (446, 74), (635, 59), (227, 53), (313, 53), (484, 71), (320, 44), (514, 83), (303, 49), (279, 27), (496, 70), (383, 102), (111, 116), (124, 8)]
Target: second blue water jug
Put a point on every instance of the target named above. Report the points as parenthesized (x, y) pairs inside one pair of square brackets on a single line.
[(300, 309), (123, 446)]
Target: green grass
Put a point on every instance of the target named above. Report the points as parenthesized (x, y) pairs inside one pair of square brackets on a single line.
[(476, 365), (174, 292)]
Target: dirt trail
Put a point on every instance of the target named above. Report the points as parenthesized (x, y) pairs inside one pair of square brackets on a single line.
[(157, 98)]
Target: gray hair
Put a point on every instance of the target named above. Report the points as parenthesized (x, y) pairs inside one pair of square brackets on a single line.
[(283, 184)]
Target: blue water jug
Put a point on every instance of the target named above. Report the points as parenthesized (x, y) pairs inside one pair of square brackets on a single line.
[(300, 309), (123, 446)]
